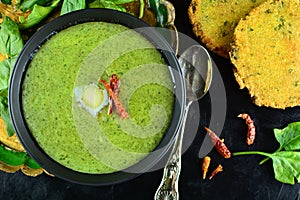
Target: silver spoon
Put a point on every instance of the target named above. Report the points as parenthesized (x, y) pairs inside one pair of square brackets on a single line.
[(196, 66)]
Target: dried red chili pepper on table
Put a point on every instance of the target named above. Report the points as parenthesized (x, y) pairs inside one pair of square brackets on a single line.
[(121, 111), (219, 144), (205, 165), (217, 170), (251, 128)]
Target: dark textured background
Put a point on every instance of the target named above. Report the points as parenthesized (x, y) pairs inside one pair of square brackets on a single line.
[(243, 178)]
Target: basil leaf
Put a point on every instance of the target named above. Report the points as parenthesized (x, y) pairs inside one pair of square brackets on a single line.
[(289, 137), (72, 5), (38, 14), (286, 166)]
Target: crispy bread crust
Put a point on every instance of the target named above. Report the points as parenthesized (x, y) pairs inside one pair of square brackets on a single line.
[(266, 54), (214, 21), (194, 12)]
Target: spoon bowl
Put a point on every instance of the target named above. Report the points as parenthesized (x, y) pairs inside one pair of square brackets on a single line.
[(196, 66)]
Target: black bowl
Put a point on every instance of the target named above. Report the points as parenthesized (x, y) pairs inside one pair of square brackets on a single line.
[(15, 96)]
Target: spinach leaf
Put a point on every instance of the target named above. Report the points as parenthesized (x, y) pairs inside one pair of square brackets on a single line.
[(106, 4), (38, 13), (286, 165), (110, 4), (289, 137), (27, 5), (121, 1), (11, 45), (72, 5), (5, 115)]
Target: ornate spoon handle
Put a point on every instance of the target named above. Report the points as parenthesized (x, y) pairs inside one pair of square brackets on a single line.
[(168, 188)]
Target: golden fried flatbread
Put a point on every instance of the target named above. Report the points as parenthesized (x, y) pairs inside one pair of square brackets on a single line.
[(11, 142), (214, 21), (266, 53), (14, 144), (25, 169), (9, 169), (31, 172)]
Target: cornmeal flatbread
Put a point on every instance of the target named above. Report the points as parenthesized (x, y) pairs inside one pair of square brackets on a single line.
[(214, 21), (266, 53), (11, 142)]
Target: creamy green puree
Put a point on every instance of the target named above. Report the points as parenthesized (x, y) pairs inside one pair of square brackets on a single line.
[(83, 54)]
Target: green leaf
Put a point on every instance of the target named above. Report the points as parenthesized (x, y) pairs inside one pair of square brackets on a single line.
[(32, 163), (160, 11), (5, 116), (4, 74), (121, 1), (38, 13), (15, 158), (286, 165), (106, 4), (6, 1), (27, 5), (72, 5), (289, 137), (11, 157), (11, 45)]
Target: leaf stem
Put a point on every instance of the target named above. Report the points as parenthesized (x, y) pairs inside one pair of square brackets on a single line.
[(266, 159), (251, 153)]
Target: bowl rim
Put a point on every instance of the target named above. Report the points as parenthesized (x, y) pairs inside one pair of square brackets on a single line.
[(21, 65)]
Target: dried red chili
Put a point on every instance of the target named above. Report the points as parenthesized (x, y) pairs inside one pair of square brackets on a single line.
[(121, 111), (217, 170), (114, 83), (205, 165), (251, 128), (219, 144)]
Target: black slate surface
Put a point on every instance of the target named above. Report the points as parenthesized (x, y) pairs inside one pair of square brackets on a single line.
[(243, 178)]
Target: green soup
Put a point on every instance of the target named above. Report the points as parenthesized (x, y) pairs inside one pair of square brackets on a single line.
[(83, 54)]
